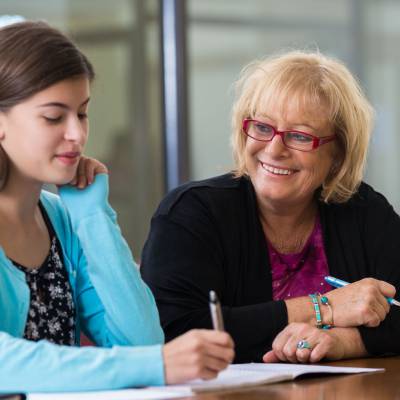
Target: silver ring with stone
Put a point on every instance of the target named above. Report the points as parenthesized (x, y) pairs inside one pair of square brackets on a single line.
[(304, 344)]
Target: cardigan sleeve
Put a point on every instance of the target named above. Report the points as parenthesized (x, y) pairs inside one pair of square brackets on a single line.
[(183, 259), (46, 367), (115, 305), (382, 239)]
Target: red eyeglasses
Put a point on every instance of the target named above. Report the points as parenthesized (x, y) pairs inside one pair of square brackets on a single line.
[(292, 139)]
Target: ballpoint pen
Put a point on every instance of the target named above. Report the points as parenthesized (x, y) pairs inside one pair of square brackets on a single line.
[(335, 282), (216, 312)]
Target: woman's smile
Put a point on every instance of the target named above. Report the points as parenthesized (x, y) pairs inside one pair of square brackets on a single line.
[(277, 170), (69, 157)]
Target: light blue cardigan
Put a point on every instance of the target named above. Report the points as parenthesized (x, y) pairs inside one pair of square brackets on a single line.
[(115, 308)]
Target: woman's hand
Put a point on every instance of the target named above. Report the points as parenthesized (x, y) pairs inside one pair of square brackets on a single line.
[(197, 354), (361, 303), (87, 169), (332, 344)]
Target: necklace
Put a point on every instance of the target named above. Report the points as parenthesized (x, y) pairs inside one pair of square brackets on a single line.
[(292, 241), (293, 262)]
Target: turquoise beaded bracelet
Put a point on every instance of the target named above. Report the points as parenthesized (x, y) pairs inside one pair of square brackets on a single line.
[(317, 310)]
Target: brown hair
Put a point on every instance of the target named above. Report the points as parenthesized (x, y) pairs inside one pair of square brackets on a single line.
[(34, 56), (311, 79)]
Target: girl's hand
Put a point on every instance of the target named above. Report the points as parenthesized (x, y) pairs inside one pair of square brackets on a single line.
[(87, 169), (361, 303), (332, 344), (197, 354)]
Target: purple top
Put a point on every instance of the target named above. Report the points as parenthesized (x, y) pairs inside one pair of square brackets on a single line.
[(299, 274)]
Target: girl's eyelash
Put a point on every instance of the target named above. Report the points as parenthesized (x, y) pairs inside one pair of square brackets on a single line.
[(58, 119), (53, 120)]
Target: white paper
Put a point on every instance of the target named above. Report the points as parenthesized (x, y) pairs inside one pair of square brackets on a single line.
[(300, 369), (127, 394), (245, 375), (231, 379)]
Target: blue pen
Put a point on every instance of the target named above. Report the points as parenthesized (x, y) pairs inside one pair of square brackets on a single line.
[(335, 282)]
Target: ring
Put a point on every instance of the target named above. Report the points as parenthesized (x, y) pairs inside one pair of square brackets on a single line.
[(303, 344)]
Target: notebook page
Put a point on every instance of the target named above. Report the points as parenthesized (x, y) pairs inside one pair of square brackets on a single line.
[(127, 394), (232, 378), (296, 370)]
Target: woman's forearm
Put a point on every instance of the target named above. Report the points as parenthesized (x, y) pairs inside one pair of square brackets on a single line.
[(300, 309)]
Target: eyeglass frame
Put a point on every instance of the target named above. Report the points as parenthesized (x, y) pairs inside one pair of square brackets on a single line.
[(317, 141)]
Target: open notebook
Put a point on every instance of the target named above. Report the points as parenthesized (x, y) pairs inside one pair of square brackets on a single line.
[(234, 377), (244, 375)]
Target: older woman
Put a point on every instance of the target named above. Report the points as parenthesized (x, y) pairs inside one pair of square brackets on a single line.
[(293, 211)]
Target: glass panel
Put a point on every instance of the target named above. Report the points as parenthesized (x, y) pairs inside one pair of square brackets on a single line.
[(382, 62), (225, 35), (121, 39)]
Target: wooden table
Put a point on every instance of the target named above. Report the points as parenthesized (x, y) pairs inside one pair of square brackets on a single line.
[(376, 386)]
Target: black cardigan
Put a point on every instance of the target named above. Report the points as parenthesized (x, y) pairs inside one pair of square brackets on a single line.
[(207, 235)]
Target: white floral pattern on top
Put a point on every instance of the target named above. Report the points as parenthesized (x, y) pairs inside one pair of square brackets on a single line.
[(51, 313)]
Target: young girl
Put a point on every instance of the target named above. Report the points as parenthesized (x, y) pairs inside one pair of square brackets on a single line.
[(64, 267)]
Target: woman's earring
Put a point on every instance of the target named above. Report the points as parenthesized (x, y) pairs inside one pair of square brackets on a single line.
[(3, 168)]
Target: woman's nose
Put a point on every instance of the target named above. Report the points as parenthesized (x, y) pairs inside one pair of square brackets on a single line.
[(276, 147)]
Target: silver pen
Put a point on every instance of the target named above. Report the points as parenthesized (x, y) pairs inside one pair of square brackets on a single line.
[(216, 312)]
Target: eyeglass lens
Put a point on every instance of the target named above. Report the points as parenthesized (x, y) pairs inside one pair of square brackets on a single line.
[(295, 140)]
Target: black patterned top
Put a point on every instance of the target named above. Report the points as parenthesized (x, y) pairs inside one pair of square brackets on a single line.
[(52, 311)]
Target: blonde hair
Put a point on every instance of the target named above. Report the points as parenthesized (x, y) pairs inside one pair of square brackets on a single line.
[(313, 80)]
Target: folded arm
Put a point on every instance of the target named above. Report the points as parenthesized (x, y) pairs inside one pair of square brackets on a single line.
[(115, 305)]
